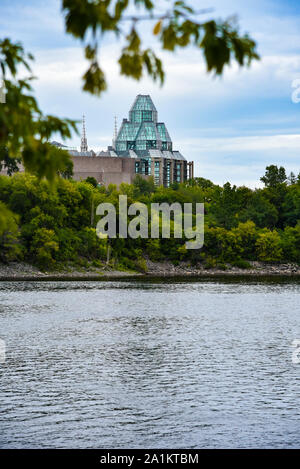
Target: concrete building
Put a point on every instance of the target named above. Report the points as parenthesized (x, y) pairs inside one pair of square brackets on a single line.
[(141, 146)]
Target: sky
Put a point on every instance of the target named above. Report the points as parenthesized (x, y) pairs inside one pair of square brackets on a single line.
[(231, 127)]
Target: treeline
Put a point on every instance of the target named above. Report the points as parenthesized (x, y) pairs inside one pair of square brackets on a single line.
[(52, 225)]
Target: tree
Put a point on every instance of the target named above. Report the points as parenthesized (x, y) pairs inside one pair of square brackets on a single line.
[(268, 246), (9, 235), (274, 176), (227, 203), (291, 243), (91, 180), (246, 235), (292, 178), (199, 181), (44, 245), (260, 210), (50, 226), (143, 186), (291, 206), (67, 173)]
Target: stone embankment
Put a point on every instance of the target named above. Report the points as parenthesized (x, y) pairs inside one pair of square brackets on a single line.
[(23, 271)]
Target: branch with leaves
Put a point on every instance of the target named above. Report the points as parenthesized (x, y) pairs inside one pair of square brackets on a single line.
[(219, 41), (24, 130)]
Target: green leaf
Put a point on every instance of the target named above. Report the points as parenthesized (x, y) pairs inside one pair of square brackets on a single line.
[(94, 80), (157, 28)]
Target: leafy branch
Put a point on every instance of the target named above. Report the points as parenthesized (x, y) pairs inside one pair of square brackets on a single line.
[(24, 129), (219, 41)]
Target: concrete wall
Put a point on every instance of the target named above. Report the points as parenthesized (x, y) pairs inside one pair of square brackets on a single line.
[(113, 170), (107, 170)]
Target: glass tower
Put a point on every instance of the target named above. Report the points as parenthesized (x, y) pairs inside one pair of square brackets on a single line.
[(141, 131), (141, 136)]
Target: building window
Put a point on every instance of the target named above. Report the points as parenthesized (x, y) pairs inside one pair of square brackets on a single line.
[(151, 144), (146, 116), (156, 172), (137, 116), (177, 172), (167, 173), (130, 145), (140, 145), (121, 146)]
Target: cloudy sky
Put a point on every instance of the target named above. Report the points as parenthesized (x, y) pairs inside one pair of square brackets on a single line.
[(232, 127)]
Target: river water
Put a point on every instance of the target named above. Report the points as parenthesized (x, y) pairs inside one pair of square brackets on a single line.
[(149, 364)]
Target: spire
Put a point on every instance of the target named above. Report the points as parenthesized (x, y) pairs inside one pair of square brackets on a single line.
[(115, 133), (83, 146)]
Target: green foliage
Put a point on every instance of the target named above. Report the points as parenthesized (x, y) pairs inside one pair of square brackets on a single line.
[(268, 246), (246, 236), (143, 186), (10, 248), (291, 206), (67, 173), (241, 264), (153, 250), (226, 204), (43, 247), (290, 241), (260, 210), (91, 247), (51, 226), (7, 163), (91, 180), (54, 222), (24, 130), (274, 176), (219, 41), (200, 182)]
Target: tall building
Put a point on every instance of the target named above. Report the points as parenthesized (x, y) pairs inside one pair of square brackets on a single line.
[(147, 140), (141, 146)]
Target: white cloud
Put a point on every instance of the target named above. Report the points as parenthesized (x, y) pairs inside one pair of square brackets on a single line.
[(237, 144), (185, 76)]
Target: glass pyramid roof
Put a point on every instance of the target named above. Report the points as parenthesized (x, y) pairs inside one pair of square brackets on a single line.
[(141, 132)]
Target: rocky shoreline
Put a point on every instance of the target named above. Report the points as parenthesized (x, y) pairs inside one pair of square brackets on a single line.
[(257, 268), (23, 271)]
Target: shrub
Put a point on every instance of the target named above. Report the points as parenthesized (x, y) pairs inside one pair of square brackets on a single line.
[(91, 180), (268, 246), (10, 248), (44, 246), (241, 264)]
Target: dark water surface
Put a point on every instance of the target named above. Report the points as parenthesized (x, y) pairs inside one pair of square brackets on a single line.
[(149, 364)]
